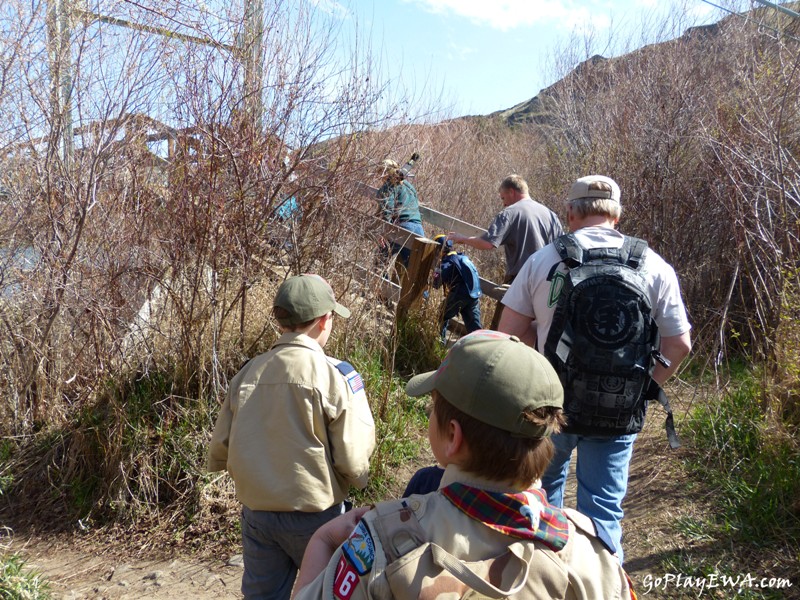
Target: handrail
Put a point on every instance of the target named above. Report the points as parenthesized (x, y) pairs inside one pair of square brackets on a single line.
[(448, 223)]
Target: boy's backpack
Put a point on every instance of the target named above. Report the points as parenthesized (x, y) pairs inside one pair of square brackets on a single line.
[(469, 274), (604, 342), (408, 566)]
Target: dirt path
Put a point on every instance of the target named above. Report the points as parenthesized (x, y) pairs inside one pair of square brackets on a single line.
[(657, 497), (76, 573)]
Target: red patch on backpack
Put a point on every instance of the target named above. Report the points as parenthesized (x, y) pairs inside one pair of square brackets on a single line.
[(346, 579)]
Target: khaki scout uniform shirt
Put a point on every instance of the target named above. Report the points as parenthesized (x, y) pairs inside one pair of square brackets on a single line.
[(464, 554), (294, 431)]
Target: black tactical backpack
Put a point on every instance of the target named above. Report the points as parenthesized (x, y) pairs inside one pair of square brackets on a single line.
[(604, 342)]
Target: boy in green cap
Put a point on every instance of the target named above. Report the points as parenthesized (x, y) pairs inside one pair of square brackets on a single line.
[(487, 531), (295, 432)]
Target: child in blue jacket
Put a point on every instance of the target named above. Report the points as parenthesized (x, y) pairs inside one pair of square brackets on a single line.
[(460, 280)]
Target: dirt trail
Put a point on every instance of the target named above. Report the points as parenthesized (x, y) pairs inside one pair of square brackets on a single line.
[(76, 573), (656, 498)]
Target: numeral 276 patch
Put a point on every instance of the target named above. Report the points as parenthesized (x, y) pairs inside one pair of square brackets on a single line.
[(345, 581)]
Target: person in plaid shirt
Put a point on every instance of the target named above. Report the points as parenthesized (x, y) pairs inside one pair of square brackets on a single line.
[(488, 529)]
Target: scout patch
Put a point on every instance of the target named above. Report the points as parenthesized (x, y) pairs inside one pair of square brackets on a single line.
[(355, 382), (351, 376), (345, 581), (360, 549)]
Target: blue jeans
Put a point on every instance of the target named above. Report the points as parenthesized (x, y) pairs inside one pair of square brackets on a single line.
[(470, 309), (602, 473), (273, 545), (405, 253)]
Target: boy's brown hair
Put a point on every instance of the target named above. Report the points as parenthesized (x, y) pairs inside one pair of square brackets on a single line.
[(284, 318), (496, 454)]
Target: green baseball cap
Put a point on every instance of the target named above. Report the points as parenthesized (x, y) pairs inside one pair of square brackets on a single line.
[(306, 297), (494, 377)]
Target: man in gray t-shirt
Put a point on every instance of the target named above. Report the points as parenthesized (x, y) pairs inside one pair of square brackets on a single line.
[(522, 227)]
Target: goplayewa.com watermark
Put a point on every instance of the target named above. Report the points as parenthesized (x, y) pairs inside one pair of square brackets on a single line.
[(713, 581)]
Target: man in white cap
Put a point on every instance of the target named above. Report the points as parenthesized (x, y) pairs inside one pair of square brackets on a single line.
[(531, 303)]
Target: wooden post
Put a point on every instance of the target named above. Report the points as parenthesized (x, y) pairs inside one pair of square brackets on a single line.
[(415, 278), (251, 49), (60, 55), (500, 291), (498, 312)]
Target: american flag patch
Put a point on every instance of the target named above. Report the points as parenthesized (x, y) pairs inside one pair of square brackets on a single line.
[(355, 382)]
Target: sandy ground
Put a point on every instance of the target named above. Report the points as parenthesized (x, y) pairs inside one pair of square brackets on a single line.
[(77, 574)]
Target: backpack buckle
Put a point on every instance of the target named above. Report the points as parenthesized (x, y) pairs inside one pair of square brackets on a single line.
[(661, 359)]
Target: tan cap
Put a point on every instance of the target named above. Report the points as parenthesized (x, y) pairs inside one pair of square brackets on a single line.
[(582, 188), (306, 297), (494, 377)]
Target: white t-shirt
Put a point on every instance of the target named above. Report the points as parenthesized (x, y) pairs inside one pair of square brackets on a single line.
[(534, 293)]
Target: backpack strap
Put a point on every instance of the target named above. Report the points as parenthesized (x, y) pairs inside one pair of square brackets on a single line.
[(518, 559), (573, 255), (569, 250), (400, 534), (398, 529), (655, 392), (632, 251), (594, 567)]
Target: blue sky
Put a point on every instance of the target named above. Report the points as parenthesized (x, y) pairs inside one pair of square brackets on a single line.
[(488, 55)]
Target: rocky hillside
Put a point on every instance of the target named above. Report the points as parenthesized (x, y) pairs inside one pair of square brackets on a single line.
[(699, 40)]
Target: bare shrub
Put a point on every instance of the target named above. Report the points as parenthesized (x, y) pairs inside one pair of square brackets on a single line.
[(137, 273), (147, 249)]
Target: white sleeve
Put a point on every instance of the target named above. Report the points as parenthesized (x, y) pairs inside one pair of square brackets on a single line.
[(519, 296), (530, 289), (669, 311)]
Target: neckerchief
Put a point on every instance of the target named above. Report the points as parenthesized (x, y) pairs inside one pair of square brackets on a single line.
[(525, 515)]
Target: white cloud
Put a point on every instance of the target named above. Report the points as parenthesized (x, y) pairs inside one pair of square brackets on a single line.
[(704, 13), (332, 7), (458, 52), (584, 19), (500, 14)]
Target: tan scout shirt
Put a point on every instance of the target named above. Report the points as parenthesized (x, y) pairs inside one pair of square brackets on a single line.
[(294, 432), (460, 554)]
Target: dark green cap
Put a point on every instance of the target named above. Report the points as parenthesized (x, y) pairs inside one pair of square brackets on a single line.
[(306, 297), (494, 378)]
